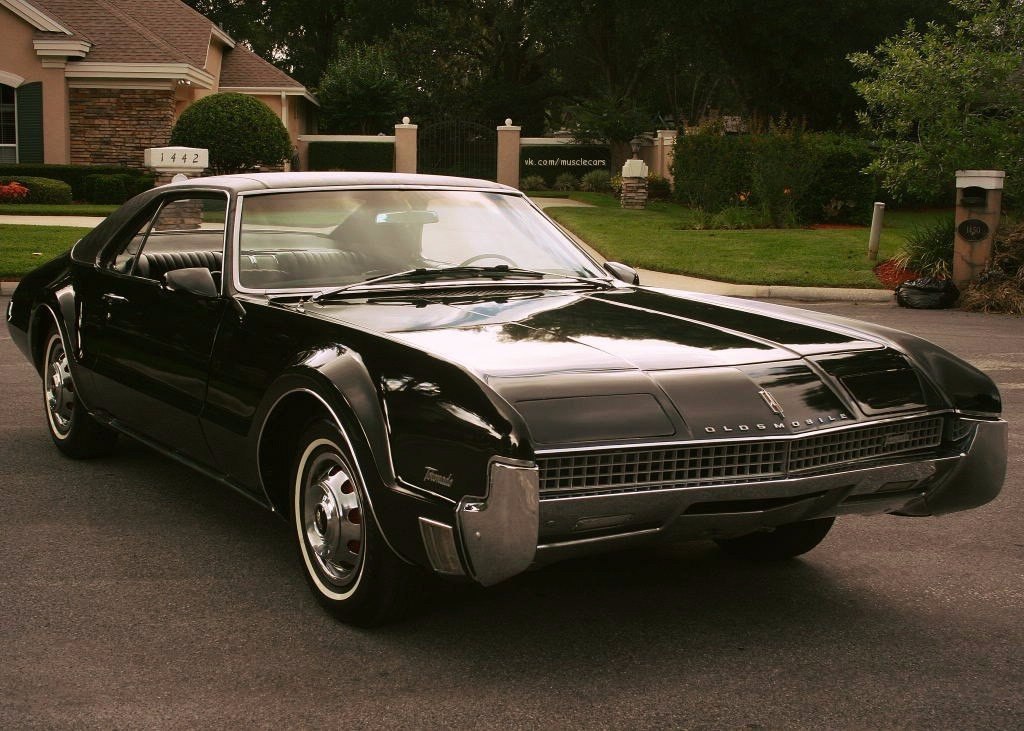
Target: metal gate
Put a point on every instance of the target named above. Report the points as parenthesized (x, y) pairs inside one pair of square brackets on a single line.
[(460, 148)]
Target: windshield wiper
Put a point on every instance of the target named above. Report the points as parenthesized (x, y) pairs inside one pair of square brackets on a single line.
[(423, 274)]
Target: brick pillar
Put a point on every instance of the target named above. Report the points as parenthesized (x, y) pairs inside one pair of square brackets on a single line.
[(979, 200), (508, 154), (405, 146)]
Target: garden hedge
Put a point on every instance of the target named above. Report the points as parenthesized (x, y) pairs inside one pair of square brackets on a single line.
[(77, 175), (792, 178), (363, 156), (41, 190)]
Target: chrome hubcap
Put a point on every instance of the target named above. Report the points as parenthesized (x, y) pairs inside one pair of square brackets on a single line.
[(59, 389), (332, 518)]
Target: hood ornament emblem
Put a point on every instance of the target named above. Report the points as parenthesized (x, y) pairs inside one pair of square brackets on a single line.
[(773, 404)]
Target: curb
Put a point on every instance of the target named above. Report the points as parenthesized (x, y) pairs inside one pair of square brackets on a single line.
[(661, 280), (7, 288)]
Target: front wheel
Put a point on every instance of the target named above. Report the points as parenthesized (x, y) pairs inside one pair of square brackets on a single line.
[(75, 432), (348, 565), (786, 541)]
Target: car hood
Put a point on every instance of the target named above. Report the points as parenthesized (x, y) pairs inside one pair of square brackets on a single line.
[(633, 363)]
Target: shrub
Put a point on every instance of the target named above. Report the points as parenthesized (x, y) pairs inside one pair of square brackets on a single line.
[(596, 181), (76, 175), (365, 156), (42, 190), (13, 192), (658, 189), (1000, 288), (566, 181), (240, 131), (616, 185), (794, 177), (711, 171), (928, 249), (116, 188), (533, 182), (546, 160)]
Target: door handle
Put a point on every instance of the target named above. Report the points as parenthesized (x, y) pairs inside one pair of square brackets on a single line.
[(115, 298)]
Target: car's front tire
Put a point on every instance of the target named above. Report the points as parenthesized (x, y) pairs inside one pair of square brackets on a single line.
[(75, 432), (786, 541), (350, 568)]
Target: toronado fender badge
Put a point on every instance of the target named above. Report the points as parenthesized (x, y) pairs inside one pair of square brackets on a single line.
[(434, 475)]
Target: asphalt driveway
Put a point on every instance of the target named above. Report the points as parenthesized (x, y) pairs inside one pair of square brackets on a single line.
[(134, 593)]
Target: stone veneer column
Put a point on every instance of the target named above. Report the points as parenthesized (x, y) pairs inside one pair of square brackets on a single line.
[(508, 154), (405, 146), (634, 184), (115, 126)]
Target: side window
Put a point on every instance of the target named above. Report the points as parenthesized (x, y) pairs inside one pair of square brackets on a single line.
[(185, 232)]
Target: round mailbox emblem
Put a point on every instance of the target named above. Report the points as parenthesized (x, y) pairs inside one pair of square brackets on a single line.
[(973, 229)]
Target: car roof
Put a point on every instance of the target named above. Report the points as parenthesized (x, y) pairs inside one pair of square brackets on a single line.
[(288, 181)]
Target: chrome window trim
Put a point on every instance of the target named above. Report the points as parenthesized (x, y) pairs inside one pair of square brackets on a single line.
[(236, 234)]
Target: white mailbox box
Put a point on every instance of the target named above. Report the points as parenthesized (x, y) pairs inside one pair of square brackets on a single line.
[(177, 159)]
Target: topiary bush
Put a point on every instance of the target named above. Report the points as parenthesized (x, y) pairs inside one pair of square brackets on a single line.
[(42, 190), (533, 182), (240, 131)]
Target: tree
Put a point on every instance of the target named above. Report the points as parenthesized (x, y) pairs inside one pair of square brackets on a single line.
[(361, 91), (240, 131), (948, 98)]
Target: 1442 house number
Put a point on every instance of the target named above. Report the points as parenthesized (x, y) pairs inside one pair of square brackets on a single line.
[(179, 158)]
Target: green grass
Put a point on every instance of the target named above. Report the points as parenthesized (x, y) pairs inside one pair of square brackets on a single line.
[(19, 243), (49, 209), (661, 238)]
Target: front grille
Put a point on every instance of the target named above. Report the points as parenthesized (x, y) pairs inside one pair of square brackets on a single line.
[(635, 470)]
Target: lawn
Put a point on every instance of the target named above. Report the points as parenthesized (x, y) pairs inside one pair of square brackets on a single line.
[(19, 244), (662, 238), (52, 209)]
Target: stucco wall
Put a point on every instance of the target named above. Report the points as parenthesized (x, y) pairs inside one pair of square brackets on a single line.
[(115, 126), (18, 57)]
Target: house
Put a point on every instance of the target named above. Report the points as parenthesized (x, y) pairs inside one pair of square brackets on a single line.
[(95, 82)]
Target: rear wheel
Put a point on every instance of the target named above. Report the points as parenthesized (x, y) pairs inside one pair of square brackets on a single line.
[(75, 432), (784, 542), (348, 565)]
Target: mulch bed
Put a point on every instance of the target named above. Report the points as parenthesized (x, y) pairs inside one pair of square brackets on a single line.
[(892, 275)]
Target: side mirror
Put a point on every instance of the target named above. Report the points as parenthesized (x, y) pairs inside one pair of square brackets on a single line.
[(194, 280), (622, 272)]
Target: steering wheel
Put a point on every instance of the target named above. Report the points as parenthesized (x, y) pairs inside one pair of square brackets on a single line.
[(479, 257)]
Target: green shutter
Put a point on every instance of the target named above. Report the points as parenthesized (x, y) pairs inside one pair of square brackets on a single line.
[(29, 102)]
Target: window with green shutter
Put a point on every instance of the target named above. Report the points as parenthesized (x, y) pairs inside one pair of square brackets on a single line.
[(29, 103), (8, 125)]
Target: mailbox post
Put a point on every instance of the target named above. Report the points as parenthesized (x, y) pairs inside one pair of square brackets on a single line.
[(170, 161), (979, 198)]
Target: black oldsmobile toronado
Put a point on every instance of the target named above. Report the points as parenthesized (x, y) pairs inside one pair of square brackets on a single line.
[(425, 374)]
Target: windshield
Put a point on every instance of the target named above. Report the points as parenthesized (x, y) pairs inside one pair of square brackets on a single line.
[(322, 239)]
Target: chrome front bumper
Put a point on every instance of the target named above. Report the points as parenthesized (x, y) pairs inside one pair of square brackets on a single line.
[(513, 527)]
